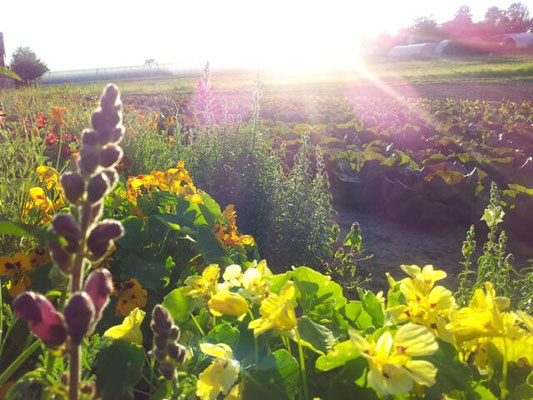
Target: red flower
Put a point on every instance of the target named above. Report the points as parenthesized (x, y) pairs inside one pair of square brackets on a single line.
[(51, 139), (41, 120), (65, 150), (68, 137)]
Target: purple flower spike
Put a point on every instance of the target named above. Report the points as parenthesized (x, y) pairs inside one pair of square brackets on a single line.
[(43, 319), (79, 314), (99, 287)]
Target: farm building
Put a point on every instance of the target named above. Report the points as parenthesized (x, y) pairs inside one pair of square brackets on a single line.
[(2, 51), (414, 50), (515, 41)]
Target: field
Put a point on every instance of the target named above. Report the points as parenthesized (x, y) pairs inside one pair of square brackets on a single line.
[(280, 223)]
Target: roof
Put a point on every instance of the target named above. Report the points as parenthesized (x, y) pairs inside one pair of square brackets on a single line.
[(521, 40), (413, 49)]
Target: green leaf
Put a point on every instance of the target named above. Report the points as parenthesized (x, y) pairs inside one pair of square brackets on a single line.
[(315, 289), (372, 306), (208, 244), (320, 337), (276, 377), (24, 230), (178, 305), (135, 236), (346, 384), (150, 274), (342, 352), (9, 74), (224, 333), (119, 368), (452, 374)]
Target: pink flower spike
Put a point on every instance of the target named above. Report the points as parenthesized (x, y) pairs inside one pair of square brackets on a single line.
[(99, 287)]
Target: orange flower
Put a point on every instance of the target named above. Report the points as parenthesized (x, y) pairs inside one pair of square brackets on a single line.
[(130, 296), (39, 257), (16, 268), (57, 114)]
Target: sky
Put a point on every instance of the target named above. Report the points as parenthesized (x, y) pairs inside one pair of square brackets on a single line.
[(70, 34)]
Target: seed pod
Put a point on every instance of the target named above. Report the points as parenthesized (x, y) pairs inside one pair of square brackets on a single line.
[(79, 314), (97, 187), (99, 287), (43, 319), (89, 159), (61, 256), (73, 186), (110, 155), (67, 227)]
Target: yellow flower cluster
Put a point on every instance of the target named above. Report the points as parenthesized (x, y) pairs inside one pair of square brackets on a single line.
[(220, 376), (19, 266), (40, 200), (174, 180), (474, 330), (228, 232), (130, 296)]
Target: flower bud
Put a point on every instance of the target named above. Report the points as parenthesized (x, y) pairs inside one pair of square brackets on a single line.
[(79, 314), (61, 256), (89, 159), (110, 155), (174, 333), (110, 100), (167, 370), (161, 317), (160, 355), (89, 389), (73, 186), (88, 137), (112, 177), (176, 351), (97, 187), (99, 287), (67, 227), (43, 319), (160, 342)]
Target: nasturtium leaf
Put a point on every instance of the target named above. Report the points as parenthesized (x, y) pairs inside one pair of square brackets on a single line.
[(313, 289), (178, 305), (135, 236), (338, 356), (209, 245), (452, 373), (373, 307), (224, 333), (150, 274), (279, 280), (347, 384), (276, 377), (318, 336), (210, 209), (118, 369)]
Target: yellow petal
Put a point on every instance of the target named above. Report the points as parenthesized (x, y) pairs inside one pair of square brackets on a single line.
[(415, 340), (422, 372), (130, 329), (227, 303)]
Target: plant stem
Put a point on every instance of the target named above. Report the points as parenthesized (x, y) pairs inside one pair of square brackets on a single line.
[(256, 346), (60, 147), (302, 364), (504, 392), (200, 330), (76, 283), (1, 316), (18, 361)]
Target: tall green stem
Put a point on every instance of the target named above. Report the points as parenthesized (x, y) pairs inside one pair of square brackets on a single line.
[(18, 361), (505, 367), (60, 147), (302, 365)]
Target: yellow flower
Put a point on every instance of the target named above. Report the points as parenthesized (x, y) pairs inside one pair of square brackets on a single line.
[(130, 329), (48, 175), (235, 393), (277, 312), (232, 275), (227, 303), (431, 310), (220, 376), (392, 368), (130, 296), (493, 216), (482, 318), (39, 257), (40, 199), (254, 285), (204, 286), (16, 268), (423, 279), (246, 240)]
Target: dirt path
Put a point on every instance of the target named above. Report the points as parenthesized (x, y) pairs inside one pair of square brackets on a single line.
[(393, 244)]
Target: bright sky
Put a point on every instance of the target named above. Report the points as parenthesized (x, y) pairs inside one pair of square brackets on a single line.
[(69, 34)]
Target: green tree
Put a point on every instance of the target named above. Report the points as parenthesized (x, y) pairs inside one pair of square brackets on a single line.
[(26, 65)]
